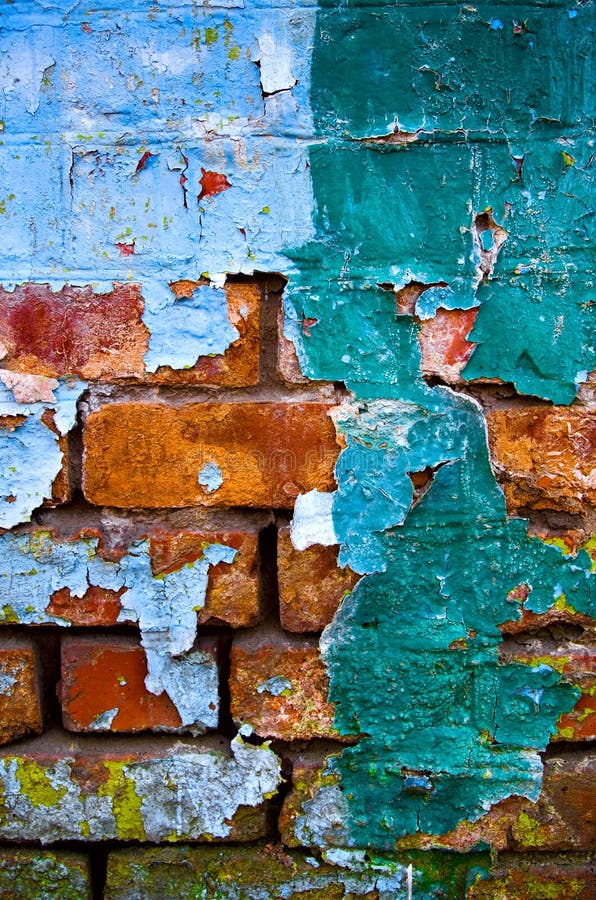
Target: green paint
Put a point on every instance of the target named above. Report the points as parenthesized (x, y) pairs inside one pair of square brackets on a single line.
[(36, 785), (126, 803), (413, 652)]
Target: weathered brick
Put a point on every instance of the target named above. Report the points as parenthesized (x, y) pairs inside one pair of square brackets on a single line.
[(238, 366), (30, 593), (528, 881), (233, 589), (41, 874), (145, 789), (76, 331), (246, 454), (253, 873), (20, 711), (577, 665), (560, 819), (73, 331), (544, 457), (278, 686), (103, 688), (311, 584), (287, 359), (443, 343)]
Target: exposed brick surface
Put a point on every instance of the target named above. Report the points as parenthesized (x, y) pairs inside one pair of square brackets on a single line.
[(562, 818), (20, 712), (151, 455), (311, 584), (76, 331), (73, 331), (103, 687), (238, 366), (143, 789), (443, 344), (232, 591), (42, 874), (278, 686), (544, 457), (536, 882)]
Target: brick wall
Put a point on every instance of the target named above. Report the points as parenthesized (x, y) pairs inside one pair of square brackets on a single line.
[(255, 640)]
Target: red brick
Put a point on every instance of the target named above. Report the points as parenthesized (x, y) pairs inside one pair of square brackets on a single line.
[(278, 686), (544, 457), (522, 880), (101, 674), (76, 331), (443, 344), (73, 331), (561, 819), (311, 584), (150, 455), (232, 592), (20, 711)]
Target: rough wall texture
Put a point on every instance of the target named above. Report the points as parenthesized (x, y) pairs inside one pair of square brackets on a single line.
[(297, 447)]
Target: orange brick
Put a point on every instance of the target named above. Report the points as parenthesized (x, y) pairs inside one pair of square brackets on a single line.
[(311, 585), (278, 686), (103, 687), (20, 712), (544, 457), (151, 455)]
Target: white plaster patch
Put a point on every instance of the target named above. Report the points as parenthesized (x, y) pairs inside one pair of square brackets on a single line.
[(275, 62), (313, 520)]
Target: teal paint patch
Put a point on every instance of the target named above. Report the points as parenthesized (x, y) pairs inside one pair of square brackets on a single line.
[(30, 456), (481, 210)]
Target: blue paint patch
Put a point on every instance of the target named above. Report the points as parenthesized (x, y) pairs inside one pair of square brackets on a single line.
[(183, 330), (112, 127), (210, 477), (496, 24), (30, 457)]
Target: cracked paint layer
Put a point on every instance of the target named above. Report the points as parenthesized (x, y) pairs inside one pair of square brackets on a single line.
[(30, 452), (491, 207), (167, 144), (34, 566), (184, 795)]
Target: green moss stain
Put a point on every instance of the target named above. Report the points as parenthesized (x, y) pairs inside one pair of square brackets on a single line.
[(413, 652), (36, 784), (126, 803)]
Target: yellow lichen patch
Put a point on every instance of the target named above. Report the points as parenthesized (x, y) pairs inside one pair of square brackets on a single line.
[(126, 803), (36, 785)]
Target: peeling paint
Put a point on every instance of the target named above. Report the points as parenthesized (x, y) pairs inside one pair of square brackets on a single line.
[(210, 477), (34, 566), (480, 211), (27, 437), (187, 794)]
